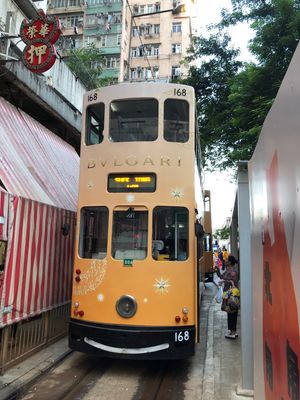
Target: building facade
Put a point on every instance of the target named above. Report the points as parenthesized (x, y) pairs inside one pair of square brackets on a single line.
[(140, 39), (160, 36)]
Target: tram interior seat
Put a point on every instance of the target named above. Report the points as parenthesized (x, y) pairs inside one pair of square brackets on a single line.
[(100, 255), (130, 254)]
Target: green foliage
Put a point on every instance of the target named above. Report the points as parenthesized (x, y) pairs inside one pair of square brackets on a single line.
[(234, 98), (85, 63), (222, 233)]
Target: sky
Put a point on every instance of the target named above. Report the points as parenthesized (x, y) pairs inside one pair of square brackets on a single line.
[(222, 185)]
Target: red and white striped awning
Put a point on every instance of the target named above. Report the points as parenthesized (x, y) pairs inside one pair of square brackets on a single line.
[(34, 162), (39, 260)]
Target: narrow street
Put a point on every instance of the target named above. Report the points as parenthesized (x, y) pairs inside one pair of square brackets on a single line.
[(82, 377)]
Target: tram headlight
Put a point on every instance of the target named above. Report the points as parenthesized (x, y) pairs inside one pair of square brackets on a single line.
[(185, 310), (126, 306)]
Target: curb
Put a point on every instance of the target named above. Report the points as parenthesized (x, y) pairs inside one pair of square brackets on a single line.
[(13, 390), (209, 370)]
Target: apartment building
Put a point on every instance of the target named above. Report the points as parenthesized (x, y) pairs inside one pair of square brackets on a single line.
[(140, 39), (160, 35)]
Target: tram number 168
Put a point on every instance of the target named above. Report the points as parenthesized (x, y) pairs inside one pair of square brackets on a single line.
[(182, 337)]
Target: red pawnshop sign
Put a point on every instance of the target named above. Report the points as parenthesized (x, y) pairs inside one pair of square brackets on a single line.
[(40, 34)]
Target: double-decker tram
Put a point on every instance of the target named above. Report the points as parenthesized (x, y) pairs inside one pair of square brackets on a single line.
[(139, 240)]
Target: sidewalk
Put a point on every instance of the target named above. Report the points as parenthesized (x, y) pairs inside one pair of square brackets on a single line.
[(23, 374), (222, 369), (221, 365)]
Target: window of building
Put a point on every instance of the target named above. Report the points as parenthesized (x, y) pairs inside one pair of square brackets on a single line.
[(72, 20), (170, 234), (93, 232), (140, 73), (74, 3), (147, 50), (133, 73), (90, 20), (135, 31), (117, 18), (176, 48), (112, 62), (148, 30), (134, 52), (133, 120), (156, 29), (155, 50), (130, 234), (148, 73), (103, 40), (94, 124), (176, 27), (176, 71), (176, 120)]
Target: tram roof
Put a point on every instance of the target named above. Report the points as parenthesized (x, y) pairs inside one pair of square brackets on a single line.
[(34, 162)]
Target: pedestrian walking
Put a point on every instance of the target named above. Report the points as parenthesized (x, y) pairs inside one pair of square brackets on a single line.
[(231, 296)]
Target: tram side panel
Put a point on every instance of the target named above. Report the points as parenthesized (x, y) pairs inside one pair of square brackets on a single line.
[(274, 172)]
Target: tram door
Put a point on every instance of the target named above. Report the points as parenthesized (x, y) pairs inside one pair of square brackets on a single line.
[(180, 236)]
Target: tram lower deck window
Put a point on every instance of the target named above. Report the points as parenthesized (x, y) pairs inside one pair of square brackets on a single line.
[(170, 234), (93, 232)]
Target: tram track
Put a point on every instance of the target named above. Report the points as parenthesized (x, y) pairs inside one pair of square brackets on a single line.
[(64, 380), (163, 380), (82, 377)]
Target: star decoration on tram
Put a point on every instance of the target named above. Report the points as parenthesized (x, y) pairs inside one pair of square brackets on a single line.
[(177, 193), (162, 285)]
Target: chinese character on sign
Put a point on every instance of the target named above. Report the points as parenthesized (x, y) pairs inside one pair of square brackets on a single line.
[(293, 372), (40, 34)]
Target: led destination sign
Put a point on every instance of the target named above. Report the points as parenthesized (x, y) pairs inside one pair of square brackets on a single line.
[(131, 182)]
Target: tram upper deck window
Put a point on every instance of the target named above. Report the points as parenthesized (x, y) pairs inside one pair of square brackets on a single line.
[(94, 124), (176, 120), (170, 234), (133, 120), (130, 234), (93, 232)]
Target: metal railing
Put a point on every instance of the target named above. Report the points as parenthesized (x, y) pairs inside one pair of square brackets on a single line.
[(22, 339)]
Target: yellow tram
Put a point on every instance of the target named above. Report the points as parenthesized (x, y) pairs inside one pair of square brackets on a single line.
[(139, 234)]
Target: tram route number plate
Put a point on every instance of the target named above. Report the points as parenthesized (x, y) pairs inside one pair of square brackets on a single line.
[(181, 338), (128, 262)]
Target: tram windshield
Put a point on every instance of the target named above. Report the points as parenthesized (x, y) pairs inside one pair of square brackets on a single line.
[(130, 234), (133, 120), (170, 234)]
